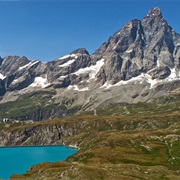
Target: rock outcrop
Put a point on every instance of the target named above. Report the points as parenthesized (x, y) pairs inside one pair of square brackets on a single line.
[(148, 46)]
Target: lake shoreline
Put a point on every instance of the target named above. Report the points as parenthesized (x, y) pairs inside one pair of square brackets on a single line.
[(70, 146), (19, 164)]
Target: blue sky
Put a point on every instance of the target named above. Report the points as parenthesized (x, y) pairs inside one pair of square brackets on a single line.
[(46, 30)]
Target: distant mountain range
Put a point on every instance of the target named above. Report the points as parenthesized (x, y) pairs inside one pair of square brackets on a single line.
[(139, 62)]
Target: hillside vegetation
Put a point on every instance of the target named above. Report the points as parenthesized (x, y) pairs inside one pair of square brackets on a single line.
[(141, 144)]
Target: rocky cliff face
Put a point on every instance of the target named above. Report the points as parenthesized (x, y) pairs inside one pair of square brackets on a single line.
[(148, 46), (130, 66), (36, 135)]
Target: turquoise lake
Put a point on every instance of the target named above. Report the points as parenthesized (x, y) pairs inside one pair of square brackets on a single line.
[(17, 160)]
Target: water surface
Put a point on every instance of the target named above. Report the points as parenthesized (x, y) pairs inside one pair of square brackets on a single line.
[(17, 160)]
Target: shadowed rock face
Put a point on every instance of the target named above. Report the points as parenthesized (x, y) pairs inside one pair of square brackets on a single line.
[(141, 56), (2, 88)]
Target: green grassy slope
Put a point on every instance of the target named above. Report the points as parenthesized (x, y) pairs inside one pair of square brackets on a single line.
[(117, 145), (132, 149), (30, 106)]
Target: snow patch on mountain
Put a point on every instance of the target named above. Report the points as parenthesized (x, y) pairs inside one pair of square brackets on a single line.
[(92, 70), (75, 55), (129, 50), (66, 56), (158, 63), (62, 77), (2, 76), (76, 88), (173, 75), (67, 63), (70, 55), (138, 79), (28, 65), (146, 78), (17, 80), (40, 82), (84, 89)]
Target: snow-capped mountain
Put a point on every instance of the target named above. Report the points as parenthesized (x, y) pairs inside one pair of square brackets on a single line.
[(139, 62)]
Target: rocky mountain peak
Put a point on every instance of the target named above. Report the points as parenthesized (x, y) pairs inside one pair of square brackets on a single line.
[(80, 51), (12, 63), (146, 46), (154, 20), (155, 12)]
